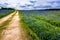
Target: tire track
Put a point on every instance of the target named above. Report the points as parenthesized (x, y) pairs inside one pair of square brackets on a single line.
[(6, 18), (2, 26), (4, 23), (14, 30)]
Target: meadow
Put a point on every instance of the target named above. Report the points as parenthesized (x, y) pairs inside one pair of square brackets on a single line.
[(42, 25), (4, 13)]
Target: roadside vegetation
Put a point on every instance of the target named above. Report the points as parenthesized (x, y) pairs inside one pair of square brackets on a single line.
[(5, 14), (42, 25)]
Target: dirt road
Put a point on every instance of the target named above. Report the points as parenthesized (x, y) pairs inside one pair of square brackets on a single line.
[(14, 30)]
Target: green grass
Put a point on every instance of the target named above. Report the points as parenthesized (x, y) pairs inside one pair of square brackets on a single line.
[(42, 26), (6, 22), (4, 14), (3, 25)]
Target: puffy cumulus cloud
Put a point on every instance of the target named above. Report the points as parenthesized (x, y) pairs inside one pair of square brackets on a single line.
[(30, 4)]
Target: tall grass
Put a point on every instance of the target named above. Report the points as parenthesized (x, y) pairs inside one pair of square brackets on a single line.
[(41, 27)]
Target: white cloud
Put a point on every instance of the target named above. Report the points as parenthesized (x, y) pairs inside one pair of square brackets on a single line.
[(28, 4)]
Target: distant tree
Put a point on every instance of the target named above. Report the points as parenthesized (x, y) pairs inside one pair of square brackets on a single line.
[(7, 8)]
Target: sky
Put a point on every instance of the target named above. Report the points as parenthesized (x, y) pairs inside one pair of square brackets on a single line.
[(30, 4)]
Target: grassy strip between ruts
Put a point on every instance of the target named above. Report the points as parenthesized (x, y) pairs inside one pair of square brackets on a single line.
[(5, 23)]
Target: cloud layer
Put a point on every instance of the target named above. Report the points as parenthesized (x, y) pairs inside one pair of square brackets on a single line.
[(30, 4)]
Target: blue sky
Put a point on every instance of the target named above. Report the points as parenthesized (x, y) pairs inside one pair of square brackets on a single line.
[(30, 4)]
